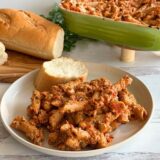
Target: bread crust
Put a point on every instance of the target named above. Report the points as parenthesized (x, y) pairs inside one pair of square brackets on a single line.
[(29, 33), (44, 81)]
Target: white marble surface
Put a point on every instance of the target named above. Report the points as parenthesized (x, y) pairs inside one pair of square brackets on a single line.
[(144, 146), (147, 67)]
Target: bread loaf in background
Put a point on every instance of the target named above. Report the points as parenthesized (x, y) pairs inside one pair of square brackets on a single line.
[(31, 34), (60, 70)]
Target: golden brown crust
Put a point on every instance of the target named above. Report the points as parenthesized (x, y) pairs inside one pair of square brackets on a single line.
[(44, 81), (28, 33)]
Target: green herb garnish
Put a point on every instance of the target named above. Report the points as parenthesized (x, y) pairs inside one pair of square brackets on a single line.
[(70, 38)]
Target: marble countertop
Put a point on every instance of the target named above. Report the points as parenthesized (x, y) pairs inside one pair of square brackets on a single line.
[(144, 146), (146, 67)]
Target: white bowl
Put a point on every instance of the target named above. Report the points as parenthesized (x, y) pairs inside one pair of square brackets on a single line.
[(17, 98)]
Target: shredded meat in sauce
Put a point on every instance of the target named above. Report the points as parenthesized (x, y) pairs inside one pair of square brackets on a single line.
[(80, 115), (141, 12)]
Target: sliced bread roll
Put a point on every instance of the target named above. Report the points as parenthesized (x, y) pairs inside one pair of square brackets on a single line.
[(31, 34), (60, 70)]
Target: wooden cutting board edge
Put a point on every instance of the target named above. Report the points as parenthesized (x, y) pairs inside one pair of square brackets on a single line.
[(18, 64)]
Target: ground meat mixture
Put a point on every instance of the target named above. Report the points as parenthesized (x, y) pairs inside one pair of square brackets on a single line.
[(80, 115), (141, 12)]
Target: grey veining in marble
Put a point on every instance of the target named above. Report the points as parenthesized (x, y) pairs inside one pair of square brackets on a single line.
[(107, 156)]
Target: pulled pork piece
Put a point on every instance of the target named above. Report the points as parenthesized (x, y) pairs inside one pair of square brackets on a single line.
[(98, 139), (36, 103), (30, 130), (40, 119), (74, 106), (136, 109), (139, 112), (55, 119), (53, 138), (122, 83), (77, 138), (69, 87)]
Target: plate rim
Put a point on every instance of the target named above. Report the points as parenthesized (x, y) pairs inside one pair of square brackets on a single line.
[(59, 153)]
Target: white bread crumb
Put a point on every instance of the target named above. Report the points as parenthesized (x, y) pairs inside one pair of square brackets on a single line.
[(60, 70), (3, 54), (64, 67)]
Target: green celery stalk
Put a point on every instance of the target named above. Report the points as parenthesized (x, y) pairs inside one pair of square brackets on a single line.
[(123, 34)]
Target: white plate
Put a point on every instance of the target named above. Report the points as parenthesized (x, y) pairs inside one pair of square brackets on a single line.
[(89, 51), (17, 98)]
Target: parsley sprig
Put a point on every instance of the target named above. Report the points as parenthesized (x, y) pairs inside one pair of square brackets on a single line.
[(70, 38)]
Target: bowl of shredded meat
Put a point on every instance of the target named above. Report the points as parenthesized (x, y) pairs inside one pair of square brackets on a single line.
[(78, 118), (131, 24)]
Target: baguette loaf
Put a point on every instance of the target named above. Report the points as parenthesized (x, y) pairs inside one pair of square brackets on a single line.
[(60, 70), (31, 34)]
